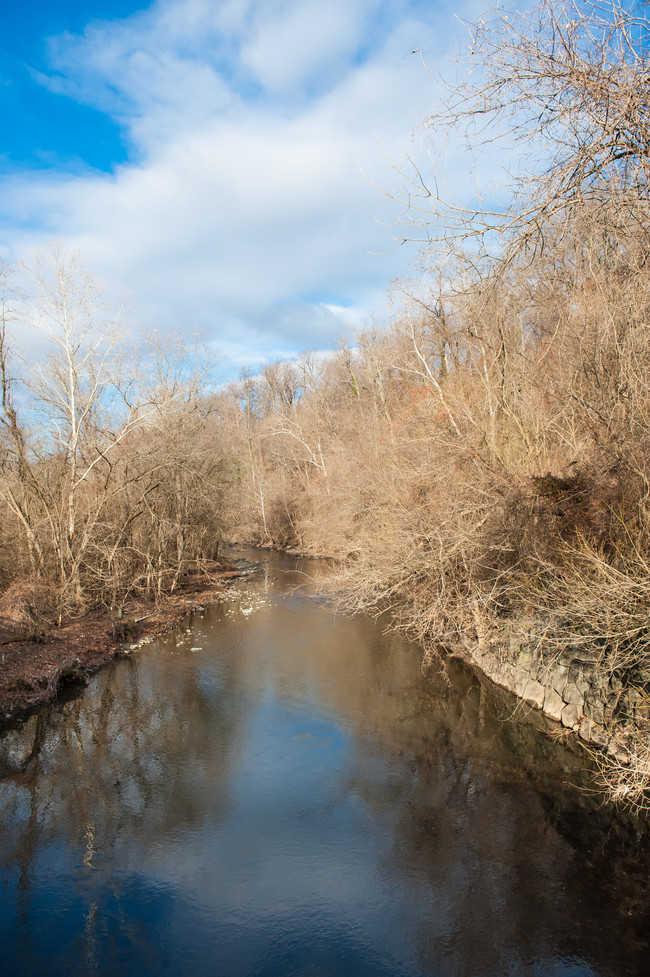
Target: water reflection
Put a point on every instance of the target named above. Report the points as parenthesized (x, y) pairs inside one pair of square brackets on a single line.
[(279, 791)]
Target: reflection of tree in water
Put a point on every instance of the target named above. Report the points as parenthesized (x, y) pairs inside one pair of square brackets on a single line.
[(117, 772), (513, 861)]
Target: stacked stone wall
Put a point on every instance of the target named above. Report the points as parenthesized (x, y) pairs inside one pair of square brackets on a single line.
[(573, 687)]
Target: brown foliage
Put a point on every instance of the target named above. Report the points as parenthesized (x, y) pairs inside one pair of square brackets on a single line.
[(30, 602)]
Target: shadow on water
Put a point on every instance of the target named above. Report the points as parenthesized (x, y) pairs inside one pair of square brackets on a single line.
[(278, 790)]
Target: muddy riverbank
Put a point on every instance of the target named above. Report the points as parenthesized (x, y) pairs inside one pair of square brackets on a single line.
[(34, 667)]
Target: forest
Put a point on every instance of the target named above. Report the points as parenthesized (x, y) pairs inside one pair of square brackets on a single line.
[(480, 460)]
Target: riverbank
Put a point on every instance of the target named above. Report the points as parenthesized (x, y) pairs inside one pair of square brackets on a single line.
[(574, 689), (592, 690), (35, 666)]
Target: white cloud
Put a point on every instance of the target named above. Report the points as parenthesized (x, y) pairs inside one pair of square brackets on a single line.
[(291, 42), (244, 211)]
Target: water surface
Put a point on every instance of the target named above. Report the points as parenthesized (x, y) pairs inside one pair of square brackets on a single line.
[(280, 791)]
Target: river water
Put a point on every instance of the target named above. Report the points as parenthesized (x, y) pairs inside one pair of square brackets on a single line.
[(280, 791)]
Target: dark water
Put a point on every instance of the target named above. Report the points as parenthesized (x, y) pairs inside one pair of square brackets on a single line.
[(281, 792)]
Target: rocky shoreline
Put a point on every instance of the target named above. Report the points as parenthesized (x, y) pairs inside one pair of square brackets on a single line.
[(574, 690)]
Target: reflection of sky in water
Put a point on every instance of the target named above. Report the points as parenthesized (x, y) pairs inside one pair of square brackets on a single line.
[(277, 791)]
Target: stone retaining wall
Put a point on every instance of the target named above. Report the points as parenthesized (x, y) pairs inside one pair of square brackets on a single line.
[(570, 686)]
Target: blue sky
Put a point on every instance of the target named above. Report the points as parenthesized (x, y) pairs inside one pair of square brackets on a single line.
[(220, 163)]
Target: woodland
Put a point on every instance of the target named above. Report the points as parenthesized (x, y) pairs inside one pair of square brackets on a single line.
[(484, 455)]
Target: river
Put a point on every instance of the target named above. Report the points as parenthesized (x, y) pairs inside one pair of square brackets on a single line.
[(277, 790)]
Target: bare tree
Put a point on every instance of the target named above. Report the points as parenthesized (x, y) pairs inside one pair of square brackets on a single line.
[(77, 397), (564, 89), (111, 468)]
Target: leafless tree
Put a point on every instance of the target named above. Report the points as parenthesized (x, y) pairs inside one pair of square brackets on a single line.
[(562, 90), (111, 467)]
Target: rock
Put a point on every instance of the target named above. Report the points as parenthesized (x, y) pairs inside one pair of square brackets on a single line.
[(571, 715), (590, 732), (576, 674), (566, 656), (526, 658), (573, 695), (514, 646), (520, 681), (560, 678), (584, 730), (499, 674), (618, 752), (588, 655), (638, 702), (608, 712), (538, 672), (599, 736), (534, 693), (553, 704), (594, 706)]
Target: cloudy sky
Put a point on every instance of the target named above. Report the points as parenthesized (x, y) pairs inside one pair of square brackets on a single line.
[(220, 163)]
